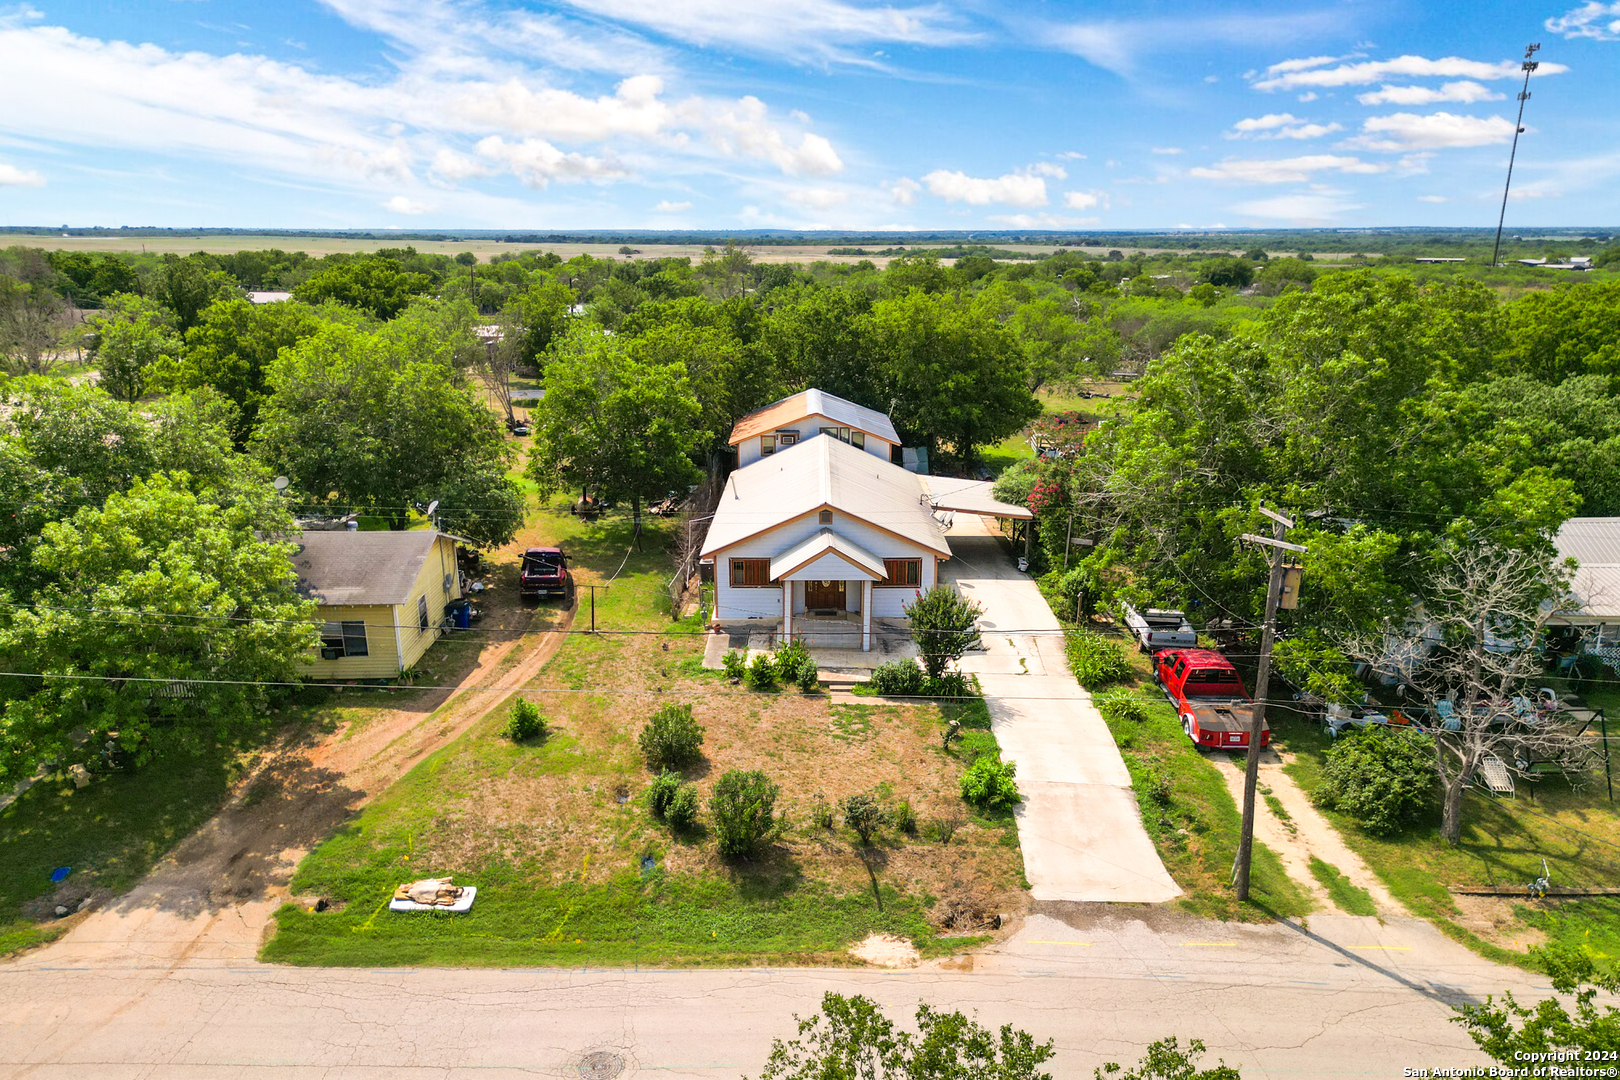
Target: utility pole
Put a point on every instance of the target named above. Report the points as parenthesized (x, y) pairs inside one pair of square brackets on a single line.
[(593, 589), (1257, 714), (1518, 129)]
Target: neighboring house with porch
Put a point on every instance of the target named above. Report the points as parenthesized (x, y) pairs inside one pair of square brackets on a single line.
[(1594, 544), (784, 424), (824, 535), (382, 598)]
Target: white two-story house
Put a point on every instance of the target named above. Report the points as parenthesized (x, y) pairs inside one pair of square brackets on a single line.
[(824, 530), (807, 414)]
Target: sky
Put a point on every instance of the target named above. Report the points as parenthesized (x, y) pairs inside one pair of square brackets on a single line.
[(568, 115)]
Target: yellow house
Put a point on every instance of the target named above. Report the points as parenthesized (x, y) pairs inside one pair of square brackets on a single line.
[(382, 598)]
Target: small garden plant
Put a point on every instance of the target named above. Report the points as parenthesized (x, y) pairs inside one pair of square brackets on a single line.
[(863, 814), (524, 722), (989, 785), (1096, 661), (1120, 705), (682, 813), (762, 672), (736, 667), (672, 738), (743, 808)]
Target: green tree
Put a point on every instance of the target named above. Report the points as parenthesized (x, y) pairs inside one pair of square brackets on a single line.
[(372, 283), (1166, 1060), (955, 376), (30, 326), (1384, 778), (726, 273), (743, 808), (1556, 333), (187, 286), (1514, 1034), (130, 352), (612, 425), (820, 337), (542, 310), (358, 424), (169, 609), (232, 347), (728, 378), (944, 624), (851, 1039)]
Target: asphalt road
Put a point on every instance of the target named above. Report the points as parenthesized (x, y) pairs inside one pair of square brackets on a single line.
[(1078, 823), (1345, 997)]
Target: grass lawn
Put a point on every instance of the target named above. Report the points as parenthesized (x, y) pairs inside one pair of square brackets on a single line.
[(109, 833), (1016, 448), (573, 870), (1576, 829)]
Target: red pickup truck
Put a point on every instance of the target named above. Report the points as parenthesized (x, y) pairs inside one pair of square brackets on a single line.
[(1208, 696)]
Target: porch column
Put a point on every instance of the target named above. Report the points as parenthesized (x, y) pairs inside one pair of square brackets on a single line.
[(787, 612), (866, 616)]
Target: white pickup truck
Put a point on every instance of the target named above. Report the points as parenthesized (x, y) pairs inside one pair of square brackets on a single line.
[(1157, 628)]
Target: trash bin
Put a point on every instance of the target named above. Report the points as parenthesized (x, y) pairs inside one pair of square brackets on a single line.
[(460, 613)]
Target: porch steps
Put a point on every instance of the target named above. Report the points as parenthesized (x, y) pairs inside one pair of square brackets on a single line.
[(840, 685)]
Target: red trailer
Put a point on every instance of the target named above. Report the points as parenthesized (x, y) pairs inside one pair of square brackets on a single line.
[(1208, 696)]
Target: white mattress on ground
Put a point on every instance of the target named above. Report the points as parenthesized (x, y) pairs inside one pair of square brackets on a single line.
[(463, 903)]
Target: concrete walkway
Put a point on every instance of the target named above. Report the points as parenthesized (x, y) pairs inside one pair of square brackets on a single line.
[(1078, 825)]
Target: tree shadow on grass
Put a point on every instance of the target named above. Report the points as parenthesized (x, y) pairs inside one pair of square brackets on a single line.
[(769, 874)]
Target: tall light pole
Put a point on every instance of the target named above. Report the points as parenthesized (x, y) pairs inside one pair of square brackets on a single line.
[(1518, 129)]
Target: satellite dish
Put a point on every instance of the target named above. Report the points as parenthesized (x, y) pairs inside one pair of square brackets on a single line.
[(281, 483), (432, 506)]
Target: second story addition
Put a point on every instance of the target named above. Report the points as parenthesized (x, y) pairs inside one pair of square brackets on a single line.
[(806, 415)]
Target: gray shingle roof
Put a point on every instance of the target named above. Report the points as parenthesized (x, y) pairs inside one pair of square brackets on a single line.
[(359, 568)]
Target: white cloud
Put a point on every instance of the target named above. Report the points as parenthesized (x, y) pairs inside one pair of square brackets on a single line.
[(1280, 126), (1303, 64), (744, 128), (1118, 45), (1166, 151), (666, 207), (804, 29), (1013, 189), (1070, 155), (11, 176), (1363, 72), (1084, 200), (1307, 97), (1464, 91), (538, 163), (1044, 168), (399, 204), (1598, 21), (1436, 131), (904, 191), (1301, 209), (515, 108), (817, 198), (1286, 170), (1041, 221), (1434, 198)]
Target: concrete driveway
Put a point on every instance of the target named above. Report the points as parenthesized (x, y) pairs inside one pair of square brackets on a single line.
[(1078, 825)]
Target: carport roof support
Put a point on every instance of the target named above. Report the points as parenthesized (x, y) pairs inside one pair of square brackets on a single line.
[(969, 497)]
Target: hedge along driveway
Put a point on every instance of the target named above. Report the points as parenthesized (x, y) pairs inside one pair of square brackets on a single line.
[(1079, 826)]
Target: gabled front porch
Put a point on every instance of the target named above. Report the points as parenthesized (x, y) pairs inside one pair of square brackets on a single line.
[(834, 640)]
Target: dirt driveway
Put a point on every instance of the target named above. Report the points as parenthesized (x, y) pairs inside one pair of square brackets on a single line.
[(1078, 825), (213, 896)]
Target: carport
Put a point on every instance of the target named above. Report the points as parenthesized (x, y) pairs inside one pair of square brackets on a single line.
[(953, 495)]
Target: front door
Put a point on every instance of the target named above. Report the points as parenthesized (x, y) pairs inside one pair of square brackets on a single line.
[(824, 596)]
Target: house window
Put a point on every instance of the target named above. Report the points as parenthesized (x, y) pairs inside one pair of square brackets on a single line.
[(826, 517), (767, 445), (421, 613), (750, 573), (901, 573), (839, 433), (857, 439), (340, 639)]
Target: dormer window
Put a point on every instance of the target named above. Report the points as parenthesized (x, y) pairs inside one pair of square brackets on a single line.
[(826, 517)]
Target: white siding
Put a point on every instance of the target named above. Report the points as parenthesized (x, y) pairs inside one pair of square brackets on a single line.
[(766, 603), (809, 427)]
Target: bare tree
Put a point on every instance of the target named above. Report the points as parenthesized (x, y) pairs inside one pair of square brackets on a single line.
[(1471, 654), (31, 327), (496, 360)]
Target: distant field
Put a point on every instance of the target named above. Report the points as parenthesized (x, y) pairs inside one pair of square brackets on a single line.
[(483, 248)]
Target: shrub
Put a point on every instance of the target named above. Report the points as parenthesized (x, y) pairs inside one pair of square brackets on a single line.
[(1095, 660), (788, 659), (821, 814), (523, 721), (682, 812), (662, 792), (762, 672), (988, 783), (951, 684), (1120, 705), (743, 807), (863, 814), (904, 817), (671, 738), (1382, 777), (808, 677), (897, 678), (944, 626), (734, 663)]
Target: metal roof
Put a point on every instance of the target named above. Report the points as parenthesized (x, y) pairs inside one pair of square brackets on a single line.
[(824, 541), (970, 497), (812, 402), (1594, 543), (823, 472), (361, 568)]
